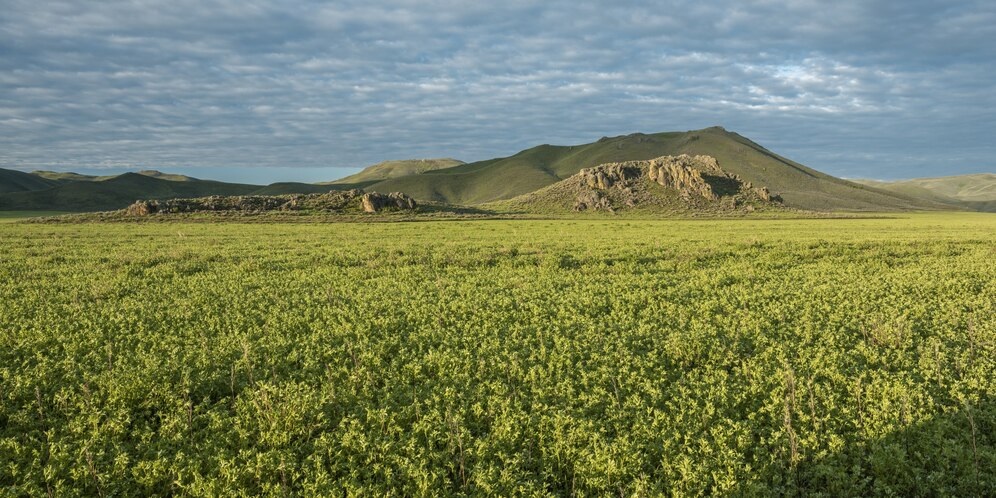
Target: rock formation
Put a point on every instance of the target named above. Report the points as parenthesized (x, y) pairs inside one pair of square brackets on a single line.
[(691, 177), (336, 200), (374, 202)]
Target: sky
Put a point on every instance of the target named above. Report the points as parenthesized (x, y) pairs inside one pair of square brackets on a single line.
[(261, 91)]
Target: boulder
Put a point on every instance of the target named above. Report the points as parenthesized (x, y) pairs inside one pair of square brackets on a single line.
[(374, 202)]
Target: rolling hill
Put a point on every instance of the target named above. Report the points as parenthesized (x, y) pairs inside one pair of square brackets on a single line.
[(19, 181), (394, 169), (976, 191), (69, 176), (66, 191), (538, 167), (115, 193)]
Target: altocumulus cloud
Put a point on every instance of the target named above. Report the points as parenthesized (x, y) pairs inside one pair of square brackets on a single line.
[(856, 88)]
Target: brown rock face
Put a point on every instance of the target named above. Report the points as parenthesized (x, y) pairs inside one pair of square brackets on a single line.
[(592, 201), (607, 175), (141, 208), (678, 173), (374, 202)]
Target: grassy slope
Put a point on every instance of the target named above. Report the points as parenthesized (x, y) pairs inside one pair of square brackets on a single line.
[(298, 188), (116, 193), (395, 169), (977, 191), (69, 176), (532, 169), (19, 181), (106, 193)]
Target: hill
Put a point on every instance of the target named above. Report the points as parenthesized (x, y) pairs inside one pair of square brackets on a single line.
[(665, 185), (69, 176), (538, 167), (283, 188), (116, 193), (18, 181), (395, 169), (976, 191), (63, 191)]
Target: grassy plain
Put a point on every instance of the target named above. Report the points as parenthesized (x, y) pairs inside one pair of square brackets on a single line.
[(526, 357)]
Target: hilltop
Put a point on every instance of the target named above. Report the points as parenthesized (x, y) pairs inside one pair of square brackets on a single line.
[(532, 169), (976, 191), (394, 169)]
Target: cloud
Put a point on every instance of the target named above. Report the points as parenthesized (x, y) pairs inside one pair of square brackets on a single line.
[(855, 88)]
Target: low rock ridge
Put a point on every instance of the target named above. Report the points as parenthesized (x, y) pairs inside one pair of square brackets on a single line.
[(334, 201)]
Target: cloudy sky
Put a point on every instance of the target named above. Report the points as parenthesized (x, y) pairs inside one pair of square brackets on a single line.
[(271, 90)]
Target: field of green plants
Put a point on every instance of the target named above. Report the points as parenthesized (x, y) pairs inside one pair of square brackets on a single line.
[(530, 357)]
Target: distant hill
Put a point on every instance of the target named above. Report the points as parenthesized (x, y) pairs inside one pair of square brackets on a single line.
[(394, 169), (69, 176), (116, 193), (66, 191), (976, 191), (538, 167), (19, 181), (283, 188)]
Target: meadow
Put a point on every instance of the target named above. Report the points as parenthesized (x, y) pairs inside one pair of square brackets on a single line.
[(824, 357)]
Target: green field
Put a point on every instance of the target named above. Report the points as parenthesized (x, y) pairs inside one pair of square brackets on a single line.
[(526, 357), (8, 216)]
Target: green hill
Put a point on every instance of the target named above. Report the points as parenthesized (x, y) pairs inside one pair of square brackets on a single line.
[(283, 188), (63, 191), (395, 169), (18, 181), (69, 176), (977, 191), (116, 193), (538, 167)]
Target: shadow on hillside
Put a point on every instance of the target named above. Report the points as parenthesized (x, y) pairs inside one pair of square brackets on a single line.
[(721, 185), (442, 208), (954, 454)]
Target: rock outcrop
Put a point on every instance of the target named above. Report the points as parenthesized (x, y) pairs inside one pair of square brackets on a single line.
[(334, 201), (691, 177), (374, 202), (592, 201), (679, 174)]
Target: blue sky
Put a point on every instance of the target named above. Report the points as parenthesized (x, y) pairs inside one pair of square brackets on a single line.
[(261, 91)]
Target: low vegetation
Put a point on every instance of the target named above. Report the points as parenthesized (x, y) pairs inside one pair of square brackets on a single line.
[(531, 357)]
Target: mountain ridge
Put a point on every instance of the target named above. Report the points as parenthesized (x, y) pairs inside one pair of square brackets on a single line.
[(531, 169)]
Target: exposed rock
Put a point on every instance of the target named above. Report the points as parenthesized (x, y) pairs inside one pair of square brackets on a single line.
[(678, 173), (336, 200), (607, 175), (142, 208), (374, 202), (592, 200), (672, 183)]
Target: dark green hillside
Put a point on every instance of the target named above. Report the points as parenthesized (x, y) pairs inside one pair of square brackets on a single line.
[(116, 193), (532, 169), (18, 181), (284, 188)]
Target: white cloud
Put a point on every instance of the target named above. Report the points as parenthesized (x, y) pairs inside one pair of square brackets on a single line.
[(266, 83)]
